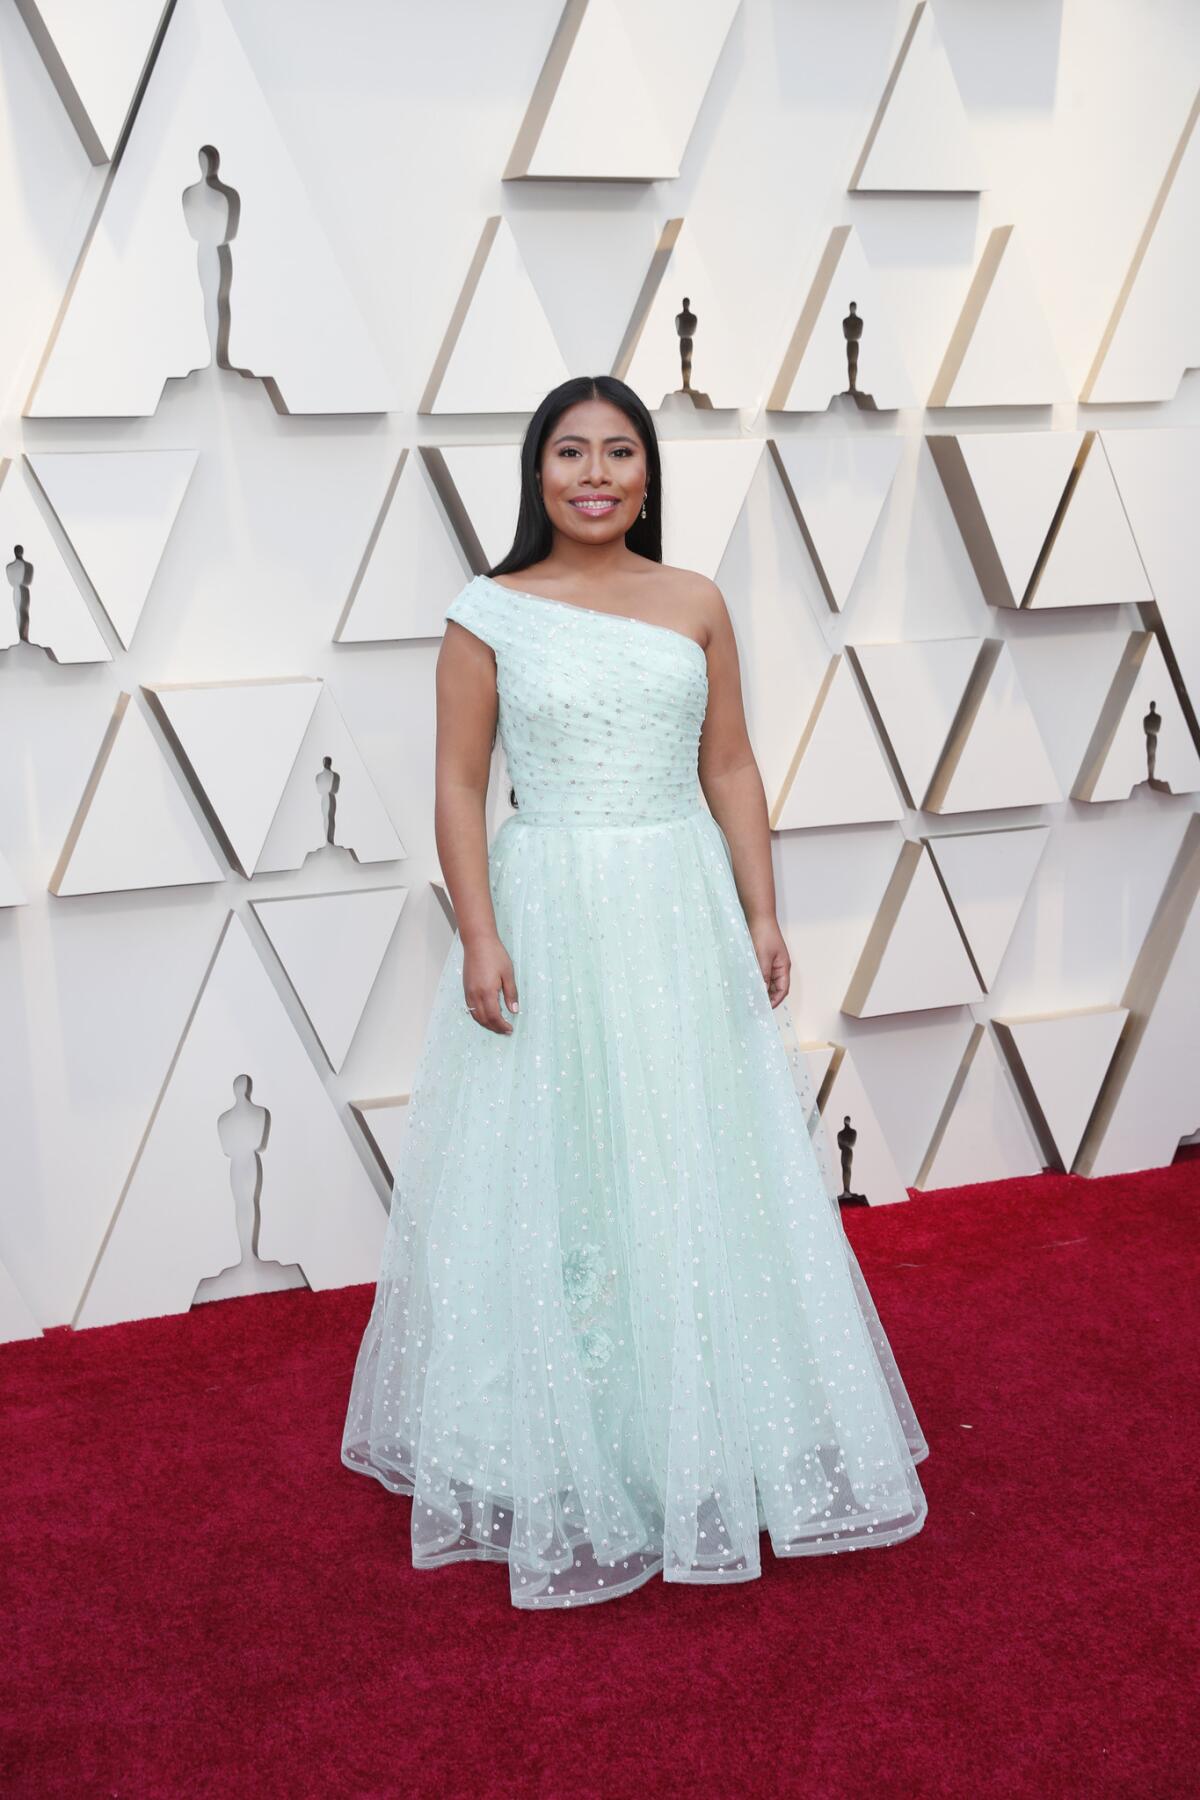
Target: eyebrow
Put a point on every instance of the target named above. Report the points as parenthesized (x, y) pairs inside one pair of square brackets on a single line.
[(574, 437)]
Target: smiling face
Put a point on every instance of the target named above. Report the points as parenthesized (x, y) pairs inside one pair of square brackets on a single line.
[(593, 472)]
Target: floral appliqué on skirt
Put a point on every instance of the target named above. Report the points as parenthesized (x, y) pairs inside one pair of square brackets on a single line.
[(589, 1285)]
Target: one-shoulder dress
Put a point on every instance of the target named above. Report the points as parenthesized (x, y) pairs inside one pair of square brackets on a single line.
[(619, 1330)]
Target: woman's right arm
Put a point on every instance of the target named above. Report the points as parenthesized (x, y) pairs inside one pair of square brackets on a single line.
[(467, 707)]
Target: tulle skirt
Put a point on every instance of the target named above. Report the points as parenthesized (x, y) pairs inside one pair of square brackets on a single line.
[(619, 1329)]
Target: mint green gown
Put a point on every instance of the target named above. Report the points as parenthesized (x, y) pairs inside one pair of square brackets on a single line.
[(619, 1330)]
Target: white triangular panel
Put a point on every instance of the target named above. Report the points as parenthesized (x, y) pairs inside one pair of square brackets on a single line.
[(1002, 760), (839, 486), (59, 620), (331, 947), (649, 357), (705, 483), (176, 1221), (1153, 335), (1093, 560), (240, 740), (815, 368), (920, 140), (409, 567), (839, 775), (361, 823), (983, 1133), (873, 1171), (1152, 1097), (134, 827), (1017, 479), (914, 957), (135, 314), (1001, 352), (17, 1322), (1064, 1057), (1158, 474), (626, 140), (499, 353), (11, 891), (117, 508), (988, 875), (580, 128), (96, 57), (1116, 760), (917, 687), (486, 483)]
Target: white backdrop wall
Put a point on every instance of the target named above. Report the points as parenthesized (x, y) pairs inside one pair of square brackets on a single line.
[(399, 121)]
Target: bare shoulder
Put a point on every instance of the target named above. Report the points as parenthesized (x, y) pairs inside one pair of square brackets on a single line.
[(697, 597)]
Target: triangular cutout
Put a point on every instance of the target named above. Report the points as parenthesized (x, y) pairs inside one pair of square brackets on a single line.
[(409, 566), (332, 947), (982, 1134), (56, 616), (716, 477), (838, 486), (1001, 352), (1155, 471), (568, 133), (1059, 1061), (873, 1172), (133, 827), (1091, 558), (914, 956), (680, 280), (1153, 333), (816, 364), (1005, 490), (838, 775), (920, 139), (1142, 734), (996, 756), (916, 688), (1150, 1101), (238, 741), (578, 128), (330, 804), (117, 508), (97, 58), (499, 354), (988, 875)]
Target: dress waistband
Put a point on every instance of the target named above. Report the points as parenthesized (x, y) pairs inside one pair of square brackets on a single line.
[(619, 819)]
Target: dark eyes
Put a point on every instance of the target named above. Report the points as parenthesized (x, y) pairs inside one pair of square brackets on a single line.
[(621, 450)]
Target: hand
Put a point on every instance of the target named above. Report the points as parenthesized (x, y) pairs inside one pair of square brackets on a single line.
[(773, 958), (487, 968)]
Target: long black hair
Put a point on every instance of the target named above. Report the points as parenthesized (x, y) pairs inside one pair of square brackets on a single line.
[(534, 534)]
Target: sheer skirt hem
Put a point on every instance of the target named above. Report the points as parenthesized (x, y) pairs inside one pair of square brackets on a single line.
[(475, 1551)]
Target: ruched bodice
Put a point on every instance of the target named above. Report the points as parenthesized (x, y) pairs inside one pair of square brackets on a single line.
[(600, 714)]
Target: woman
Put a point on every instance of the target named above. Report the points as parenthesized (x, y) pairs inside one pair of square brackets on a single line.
[(618, 1328)]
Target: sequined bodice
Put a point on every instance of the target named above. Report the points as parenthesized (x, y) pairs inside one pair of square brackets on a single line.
[(600, 714)]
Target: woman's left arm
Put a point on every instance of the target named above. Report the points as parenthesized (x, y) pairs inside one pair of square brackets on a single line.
[(736, 798)]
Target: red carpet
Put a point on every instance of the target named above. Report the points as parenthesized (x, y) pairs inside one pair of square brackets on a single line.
[(202, 1600)]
